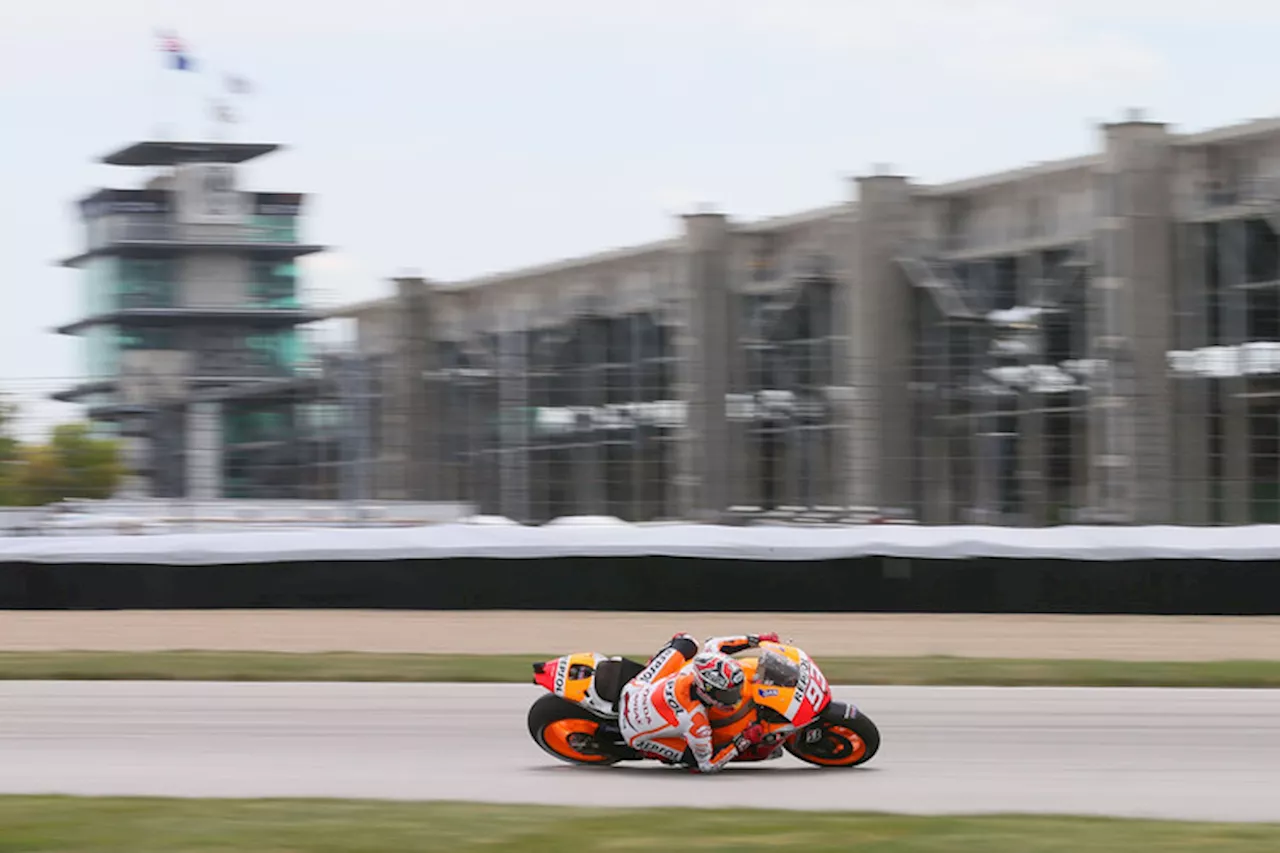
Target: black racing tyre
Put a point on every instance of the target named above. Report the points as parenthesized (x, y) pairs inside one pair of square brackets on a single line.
[(559, 727), (841, 737)]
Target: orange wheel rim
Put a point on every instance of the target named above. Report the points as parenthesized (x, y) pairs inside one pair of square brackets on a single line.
[(845, 748), (560, 737)]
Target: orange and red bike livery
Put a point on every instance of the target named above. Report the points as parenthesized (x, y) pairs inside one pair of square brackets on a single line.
[(603, 710), (662, 716)]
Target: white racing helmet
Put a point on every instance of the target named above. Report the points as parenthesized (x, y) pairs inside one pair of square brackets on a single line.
[(718, 679)]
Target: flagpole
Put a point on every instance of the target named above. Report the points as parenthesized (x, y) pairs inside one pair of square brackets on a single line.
[(161, 106), (155, 14), (174, 63)]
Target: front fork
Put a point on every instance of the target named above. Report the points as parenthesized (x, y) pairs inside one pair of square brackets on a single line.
[(832, 713)]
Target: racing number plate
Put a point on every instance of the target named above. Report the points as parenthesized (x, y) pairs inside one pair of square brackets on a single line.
[(812, 691)]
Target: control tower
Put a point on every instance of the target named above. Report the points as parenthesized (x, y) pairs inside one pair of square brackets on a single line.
[(190, 289)]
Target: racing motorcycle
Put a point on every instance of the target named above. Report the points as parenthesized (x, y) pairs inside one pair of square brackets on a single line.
[(785, 691)]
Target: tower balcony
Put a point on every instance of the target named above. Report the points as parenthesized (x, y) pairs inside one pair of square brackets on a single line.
[(190, 315), (144, 236)]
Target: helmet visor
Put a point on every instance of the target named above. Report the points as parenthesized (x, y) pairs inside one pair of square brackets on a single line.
[(726, 696)]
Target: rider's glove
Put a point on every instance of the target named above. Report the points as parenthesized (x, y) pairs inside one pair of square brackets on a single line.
[(757, 639), (773, 738), (750, 736)]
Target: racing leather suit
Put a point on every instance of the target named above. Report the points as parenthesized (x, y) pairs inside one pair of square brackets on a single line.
[(661, 715)]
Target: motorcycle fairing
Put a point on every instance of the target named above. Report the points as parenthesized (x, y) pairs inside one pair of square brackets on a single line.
[(572, 677), (785, 680)]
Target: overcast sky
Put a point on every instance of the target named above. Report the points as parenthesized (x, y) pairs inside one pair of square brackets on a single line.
[(459, 138)]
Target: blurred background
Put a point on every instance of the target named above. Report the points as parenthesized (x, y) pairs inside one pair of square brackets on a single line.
[(920, 264)]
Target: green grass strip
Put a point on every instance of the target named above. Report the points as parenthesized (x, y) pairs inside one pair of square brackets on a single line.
[(352, 666), (93, 825)]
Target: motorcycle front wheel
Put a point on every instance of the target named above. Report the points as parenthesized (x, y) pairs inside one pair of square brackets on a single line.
[(568, 731), (841, 737)]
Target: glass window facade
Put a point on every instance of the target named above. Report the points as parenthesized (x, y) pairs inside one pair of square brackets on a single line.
[(148, 338), (111, 284), (98, 285), (983, 388), (1240, 309), (582, 406), (101, 352), (99, 349), (102, 346), (789, 349), (254, 422), (275, 229), (147, 283), (280, 448), (273, 284), (282, 350)]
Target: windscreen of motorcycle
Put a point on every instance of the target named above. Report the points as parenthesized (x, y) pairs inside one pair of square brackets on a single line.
[(798, 690), (775, 670)]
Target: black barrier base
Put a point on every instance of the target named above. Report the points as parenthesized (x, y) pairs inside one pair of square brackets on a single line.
[(869, 584)]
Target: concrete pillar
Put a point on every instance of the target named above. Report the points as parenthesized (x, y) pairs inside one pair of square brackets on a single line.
[(1031, 444), (1191, 393), (1233, 321), (1132, 300), (513, 418), (880, 460), (415, 425), (843, 401), (587, 454), (1081, 437), (932, 341), (204, 451), (986, 421), (708, 348), (362, 474), (134, 452)]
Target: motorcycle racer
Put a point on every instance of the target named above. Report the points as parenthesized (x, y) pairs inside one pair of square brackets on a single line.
[(665, 709)]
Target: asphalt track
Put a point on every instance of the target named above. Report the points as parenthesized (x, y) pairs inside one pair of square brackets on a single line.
[(1202, 754)]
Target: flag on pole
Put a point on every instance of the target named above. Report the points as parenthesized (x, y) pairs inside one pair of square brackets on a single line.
[(179, 59)]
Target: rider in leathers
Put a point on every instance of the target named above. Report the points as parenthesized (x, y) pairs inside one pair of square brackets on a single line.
[(666, 706)]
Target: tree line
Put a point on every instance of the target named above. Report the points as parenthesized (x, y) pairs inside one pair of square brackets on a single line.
[(70, 463)]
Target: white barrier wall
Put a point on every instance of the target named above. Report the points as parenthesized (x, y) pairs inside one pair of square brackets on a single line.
[(763, 543)]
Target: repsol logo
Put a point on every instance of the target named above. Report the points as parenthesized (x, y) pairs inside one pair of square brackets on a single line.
[(562, 672), (663, 750), (803, 681), (646, 675)]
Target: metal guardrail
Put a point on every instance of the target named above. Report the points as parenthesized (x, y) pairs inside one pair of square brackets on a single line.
[(132, 230), (156, 516), (143, 515)]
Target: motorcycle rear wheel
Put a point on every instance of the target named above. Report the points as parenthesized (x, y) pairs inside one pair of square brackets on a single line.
[(567, 731), (847, 738)]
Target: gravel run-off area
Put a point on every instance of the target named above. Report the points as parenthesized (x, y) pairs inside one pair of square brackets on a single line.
[(1135, 638)]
